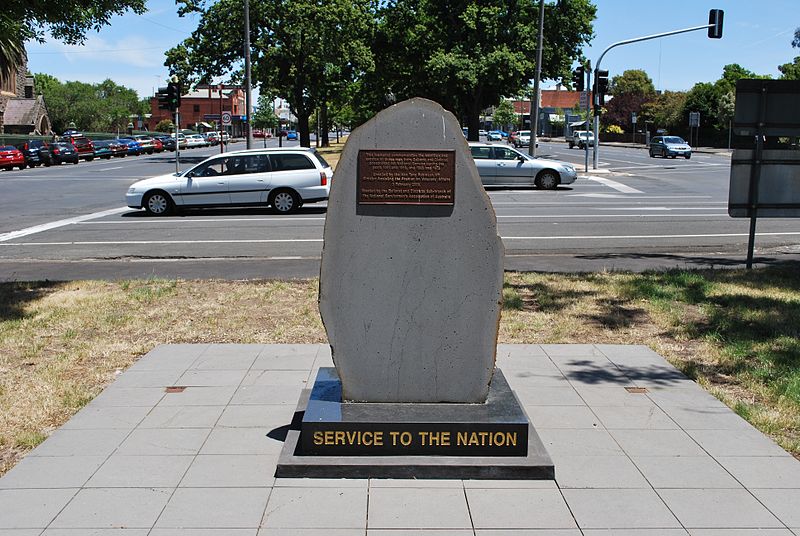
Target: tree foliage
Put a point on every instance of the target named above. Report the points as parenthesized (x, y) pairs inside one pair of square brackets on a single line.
[(632, 82), (264, 116), (102, 107), (504, 115)]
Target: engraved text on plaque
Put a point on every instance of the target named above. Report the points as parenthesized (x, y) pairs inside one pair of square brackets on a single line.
[(387, 177)]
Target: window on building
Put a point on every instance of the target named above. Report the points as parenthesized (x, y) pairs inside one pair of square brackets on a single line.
[(196, 107)]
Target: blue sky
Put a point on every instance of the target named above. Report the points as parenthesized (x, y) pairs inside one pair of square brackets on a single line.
[(757, 35)]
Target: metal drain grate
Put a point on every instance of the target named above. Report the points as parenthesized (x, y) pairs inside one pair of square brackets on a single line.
[(636, 389), (175, 389)]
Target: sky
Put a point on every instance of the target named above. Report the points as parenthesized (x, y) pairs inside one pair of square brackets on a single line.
[(756, 35)]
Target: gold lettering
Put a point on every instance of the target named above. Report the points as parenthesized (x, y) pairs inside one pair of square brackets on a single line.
[(405, 438), (461, 438), (393, 436), (377, 439), (318, 438), (328, 437), (339, 437)]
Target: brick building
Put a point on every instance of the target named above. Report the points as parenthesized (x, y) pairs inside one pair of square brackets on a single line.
[(200, 109), (556, 107), (21, 112)]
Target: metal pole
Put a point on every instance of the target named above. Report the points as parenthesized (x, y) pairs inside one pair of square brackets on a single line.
[(248, 81), (588, 111), (219, 122), (177, 142), (536, 82)]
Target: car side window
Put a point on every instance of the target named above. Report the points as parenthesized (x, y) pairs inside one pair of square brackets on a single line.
[(240, 165), (209, 169), (290, 162), (501, 153), (480, 153), (657, 139)]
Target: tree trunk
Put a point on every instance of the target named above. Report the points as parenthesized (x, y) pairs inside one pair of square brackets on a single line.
[(473, 122), (323, 124), (302, 127)]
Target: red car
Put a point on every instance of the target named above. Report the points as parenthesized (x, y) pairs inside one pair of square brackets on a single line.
[(158, 146), (10, 156), (82, 144)]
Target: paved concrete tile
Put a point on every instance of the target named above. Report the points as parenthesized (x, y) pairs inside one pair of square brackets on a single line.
[(81, 443), (211, 378), (616, 396), (597, 472), (412, 483), (509, 484), (529, 532), (292, 351), (767, 472), (783, 503), (541, 379), (718, 508), (522, 363), (634, 418), (91, 417), (228, 357), (164, 441), (182, 417), (740, 532), (361, 483), (121, 471), (518, 509), (278, 377), (656, 443), (619, 509), (684, 472), (549, 396), (520, 350), (200, 396), (96, 532), (635, 532), (556, 351), (147, 378), (267, 394), (203, 532), (421, 508), (689, 396), (578, 442), (606, 375), (257, 416), (563, 417), (656, 375), (22, 532), (700, 418), (241, 441), (314, 532), (629, 353), (214, 508), (31, 508), (169, 357), (51, 472), (267, 361), (742, 442), (113, 507), (316, 508), (230, 471), (114, 396)]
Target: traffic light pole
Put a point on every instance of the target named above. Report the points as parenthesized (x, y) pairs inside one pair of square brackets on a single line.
[(177, 142), (596, 96), (588, 111)]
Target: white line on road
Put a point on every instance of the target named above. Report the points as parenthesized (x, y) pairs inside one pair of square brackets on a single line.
[(109, 168), (60, 223), (318, 240), (618, 186)]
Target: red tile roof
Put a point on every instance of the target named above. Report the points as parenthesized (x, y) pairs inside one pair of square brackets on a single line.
[(551, 98)]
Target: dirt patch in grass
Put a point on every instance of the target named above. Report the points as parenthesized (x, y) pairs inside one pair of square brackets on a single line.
[(735, 333)]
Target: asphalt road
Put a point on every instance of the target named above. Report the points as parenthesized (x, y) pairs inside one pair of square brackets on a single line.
[(70, 222)]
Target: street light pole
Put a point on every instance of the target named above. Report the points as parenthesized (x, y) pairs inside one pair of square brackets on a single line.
[(536, 82), (248, 82)]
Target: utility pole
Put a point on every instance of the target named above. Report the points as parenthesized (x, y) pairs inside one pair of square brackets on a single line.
[(536, 82), (248, 82)]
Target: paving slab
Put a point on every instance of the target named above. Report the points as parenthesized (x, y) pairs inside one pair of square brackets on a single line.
[(666, 460)]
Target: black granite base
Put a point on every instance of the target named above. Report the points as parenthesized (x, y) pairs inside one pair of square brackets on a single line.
[(494, 440)]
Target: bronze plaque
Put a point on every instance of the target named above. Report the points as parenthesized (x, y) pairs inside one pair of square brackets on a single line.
[(406, 177)]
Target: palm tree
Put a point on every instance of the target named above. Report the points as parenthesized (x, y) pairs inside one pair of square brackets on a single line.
[(12, 55)]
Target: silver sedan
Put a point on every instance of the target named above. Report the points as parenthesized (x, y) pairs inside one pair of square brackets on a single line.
[(500, 165)]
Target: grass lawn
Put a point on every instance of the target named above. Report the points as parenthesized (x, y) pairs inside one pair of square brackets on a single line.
[(736, 333)]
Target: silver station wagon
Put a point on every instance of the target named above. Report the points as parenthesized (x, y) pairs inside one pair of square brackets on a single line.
[(500, 165), (669, 146), (284, 179)]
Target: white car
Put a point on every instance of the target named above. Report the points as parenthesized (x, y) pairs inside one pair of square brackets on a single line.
[(195, 140), (500, 165), (284, 178)]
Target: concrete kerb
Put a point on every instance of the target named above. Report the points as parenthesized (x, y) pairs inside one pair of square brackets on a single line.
[(630, 145)]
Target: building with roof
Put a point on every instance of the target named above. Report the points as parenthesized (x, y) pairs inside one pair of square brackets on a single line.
[(201, 108), (22, 112), (558, 107)]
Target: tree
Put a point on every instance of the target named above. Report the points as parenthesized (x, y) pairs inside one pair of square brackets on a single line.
[(468, 54), (631, 90), (666, 111), (632, 82), (504, 114), (264, 116), (303, 51), (790, 71), (165, 125)]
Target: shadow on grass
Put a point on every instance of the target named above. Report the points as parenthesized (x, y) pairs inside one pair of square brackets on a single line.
[(15, 296), (540, 297)]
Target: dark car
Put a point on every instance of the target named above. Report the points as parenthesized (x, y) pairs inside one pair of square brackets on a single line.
[(37, 152), (168, 142), (10, 156), (134, 147), (62, 151), (82, 144), (102, 149)]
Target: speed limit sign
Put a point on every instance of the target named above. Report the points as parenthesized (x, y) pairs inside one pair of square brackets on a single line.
[(226, 118)]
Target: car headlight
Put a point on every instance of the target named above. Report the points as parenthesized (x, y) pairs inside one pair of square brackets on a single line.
[(131, 190), (569, 168)]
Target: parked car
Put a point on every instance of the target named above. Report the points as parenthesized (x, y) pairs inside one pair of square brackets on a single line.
[(157, 145), (291, 135), (195, 140), (671, 146), (134, 147), (181, 140), (36, 152), (499, 165), (167, 142), (494, 135), (62, 151), (522, 139), (11, 157), (483, 133), (284, 178), (82, 144), (146, 142), (581, 138)]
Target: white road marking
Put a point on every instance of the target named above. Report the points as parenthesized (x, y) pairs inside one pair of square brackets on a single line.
[(618, 186), (5, 237), (110, 168), (646, 237)]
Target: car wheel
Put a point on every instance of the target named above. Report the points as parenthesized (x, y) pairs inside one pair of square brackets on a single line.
[(284, 201), (663, 153), (571, 145), (547, 180), (652, 154), (687, 156), (22, 166), (157, 203), (76, 161)]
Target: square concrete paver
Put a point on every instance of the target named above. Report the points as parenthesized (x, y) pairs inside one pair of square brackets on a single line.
[(138, 461)]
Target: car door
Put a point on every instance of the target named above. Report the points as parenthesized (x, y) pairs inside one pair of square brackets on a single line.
[(511, 167), (486, 166), (206, 185), (249, 178), (293, 170)]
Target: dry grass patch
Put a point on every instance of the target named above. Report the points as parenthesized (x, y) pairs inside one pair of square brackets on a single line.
[(735, 332)]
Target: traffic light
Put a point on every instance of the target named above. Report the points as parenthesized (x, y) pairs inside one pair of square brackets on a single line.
[(577, 78), (163, 99), (715, 23), (174, 96), (602, 83)]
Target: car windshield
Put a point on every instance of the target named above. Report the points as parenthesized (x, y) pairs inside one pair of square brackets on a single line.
[(7, 148), (674, 139)]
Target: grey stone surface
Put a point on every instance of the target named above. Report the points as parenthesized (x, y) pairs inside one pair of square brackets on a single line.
[(684, 472), (316, 508), (428, 508), (213, 508), (519, 509), (31, 508), (410, 295), (113, 508), (718, 508), (51, 472), (121, 471), (766, 472), (619, 509), (598, 472), (783, 503)]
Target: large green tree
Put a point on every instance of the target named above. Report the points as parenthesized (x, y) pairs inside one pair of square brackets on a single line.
[(468, 54), (791, 70), (631, 90), (632, 82), (666, 111), (304, 51)]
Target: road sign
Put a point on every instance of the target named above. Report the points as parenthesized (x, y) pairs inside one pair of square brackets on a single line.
[(633, 118), (584, 102), (226, 118), (694, 119)]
